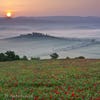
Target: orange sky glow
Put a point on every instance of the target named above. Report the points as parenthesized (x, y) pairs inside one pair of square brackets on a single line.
[(50, 7)]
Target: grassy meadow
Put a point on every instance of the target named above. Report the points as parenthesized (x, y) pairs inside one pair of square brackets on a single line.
[(73, 79)]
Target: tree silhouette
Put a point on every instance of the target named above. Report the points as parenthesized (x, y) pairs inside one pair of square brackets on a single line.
[(9, 56), (54, 56)]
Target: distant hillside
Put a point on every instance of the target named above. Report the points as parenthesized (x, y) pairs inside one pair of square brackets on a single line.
[(35, 36), (42, 45), (52, 19)]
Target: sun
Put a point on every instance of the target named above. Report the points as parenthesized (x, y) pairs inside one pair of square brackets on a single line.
[(9, 14)]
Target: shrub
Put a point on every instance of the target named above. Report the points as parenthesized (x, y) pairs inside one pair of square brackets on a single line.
[(17, 57), (67, 57), (24, 58), (54, 56), (80, 57), (2, 57), (37, 58), (9, 56)]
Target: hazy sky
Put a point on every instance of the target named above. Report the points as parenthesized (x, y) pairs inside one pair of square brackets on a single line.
[(51, 7)]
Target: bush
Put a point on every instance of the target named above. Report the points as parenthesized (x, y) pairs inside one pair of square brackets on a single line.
[(24, 58), (37, 58), (2, 57), (54, 56), (80, 57), (17, 57), (67, 57), (9, 56)]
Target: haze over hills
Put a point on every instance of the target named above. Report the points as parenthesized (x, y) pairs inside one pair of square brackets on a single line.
[(42, 45), (32, 36), (81, 36), (63, 26), (64, 19), (41, 36)]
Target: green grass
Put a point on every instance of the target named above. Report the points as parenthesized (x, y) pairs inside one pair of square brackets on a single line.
[(50, 80)]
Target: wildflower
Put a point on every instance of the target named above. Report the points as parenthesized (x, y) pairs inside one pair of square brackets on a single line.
[(73, 94), (69, 88), (94, 85), (66, 93), (36, 98), (97, 98), (50, 96), (57, 92), (13, 98)]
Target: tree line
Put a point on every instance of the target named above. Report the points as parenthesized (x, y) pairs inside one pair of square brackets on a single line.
[(11, 56)]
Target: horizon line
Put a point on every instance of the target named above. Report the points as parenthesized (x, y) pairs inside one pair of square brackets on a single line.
[(48, 16)]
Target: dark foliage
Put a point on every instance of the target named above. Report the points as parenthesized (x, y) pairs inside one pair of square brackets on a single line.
[(3, 57), (9, 56), (80, 57), (24, 58), (37, 58), (68, 58), (54, 56)]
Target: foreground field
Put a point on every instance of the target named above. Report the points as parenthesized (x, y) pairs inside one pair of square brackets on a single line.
[(50, 80)]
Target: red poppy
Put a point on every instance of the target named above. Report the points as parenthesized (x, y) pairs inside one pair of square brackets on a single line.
[(95, 85), (13, 98), (66, 93), (97, 98), (57, 92), (73, 94), (51, 97), (36, 98)]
